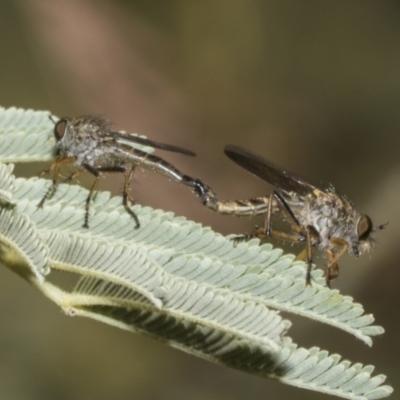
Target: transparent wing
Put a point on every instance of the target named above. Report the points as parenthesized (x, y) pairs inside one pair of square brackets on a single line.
[(152, 143), (268, 171)]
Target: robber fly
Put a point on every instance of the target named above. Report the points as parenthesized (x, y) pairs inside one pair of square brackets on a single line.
[(321, 218), (88, 143)]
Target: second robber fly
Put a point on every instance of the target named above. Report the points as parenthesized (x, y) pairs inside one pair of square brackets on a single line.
[(321, 218), (88, 143)]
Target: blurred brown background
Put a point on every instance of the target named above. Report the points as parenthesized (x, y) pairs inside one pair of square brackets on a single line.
[(314, 86)]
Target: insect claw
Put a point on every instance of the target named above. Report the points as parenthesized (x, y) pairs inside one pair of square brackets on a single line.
[(309, 279), (328, 283)]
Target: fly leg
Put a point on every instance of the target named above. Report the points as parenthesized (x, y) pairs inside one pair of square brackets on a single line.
[(332, 269), (275, 199), (56, 166), (285, 209), (126, 198), (312, 239), (73, 176), (308, 234), (306, 254), (96, 172), (259, 232)]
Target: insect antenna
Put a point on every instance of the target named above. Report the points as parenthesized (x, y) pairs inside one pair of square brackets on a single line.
[(380, 227)]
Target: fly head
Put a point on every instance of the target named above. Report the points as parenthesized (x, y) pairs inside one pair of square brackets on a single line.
[(364, 229)]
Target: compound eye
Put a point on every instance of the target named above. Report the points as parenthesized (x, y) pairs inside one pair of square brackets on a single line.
[(60, 127), (364, 227)]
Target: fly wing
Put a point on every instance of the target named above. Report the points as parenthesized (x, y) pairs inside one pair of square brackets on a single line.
[(268, 171), (151, 143)]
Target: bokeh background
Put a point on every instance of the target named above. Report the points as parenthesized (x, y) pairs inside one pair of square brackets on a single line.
[(313, 85)]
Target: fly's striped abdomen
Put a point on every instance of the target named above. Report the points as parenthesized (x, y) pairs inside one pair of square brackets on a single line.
[(145, 160), (239, 208)]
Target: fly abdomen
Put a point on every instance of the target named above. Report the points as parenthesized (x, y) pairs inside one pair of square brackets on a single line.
[(162, 167), (255, 206), (142, 159), (250, 207)]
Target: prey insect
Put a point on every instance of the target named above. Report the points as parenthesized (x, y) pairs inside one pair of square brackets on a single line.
[(88, 143), (322, 219)]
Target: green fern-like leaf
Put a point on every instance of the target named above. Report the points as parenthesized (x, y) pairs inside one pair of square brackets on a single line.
[(185, 250), (312, 369), (172, 279)]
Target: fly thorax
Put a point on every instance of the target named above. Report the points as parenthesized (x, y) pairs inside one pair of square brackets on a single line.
[(345, 228), (323, 213), (323, 226), (317, 214), (83, 147)]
